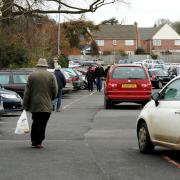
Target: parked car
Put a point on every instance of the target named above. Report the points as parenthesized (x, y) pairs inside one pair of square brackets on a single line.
[(126, 61), (159, 77), (151, 63), (15, 80), (159, 121), (11, 101), (84, 84), (69, 85), (88, 63), (1, 106), (76, 77), (127, 83)]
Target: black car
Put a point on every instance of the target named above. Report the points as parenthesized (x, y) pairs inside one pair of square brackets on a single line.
[(10, 100), (15, 80), (159, 77)]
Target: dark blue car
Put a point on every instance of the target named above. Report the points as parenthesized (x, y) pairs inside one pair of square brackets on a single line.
[(10, 100)]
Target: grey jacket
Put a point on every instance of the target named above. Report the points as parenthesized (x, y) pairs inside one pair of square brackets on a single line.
[(40, 90)]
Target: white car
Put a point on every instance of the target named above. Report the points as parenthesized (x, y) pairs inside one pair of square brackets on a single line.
[(159, 121)]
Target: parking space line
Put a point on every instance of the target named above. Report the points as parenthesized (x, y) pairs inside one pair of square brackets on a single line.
[(171, 161), (65, 107)]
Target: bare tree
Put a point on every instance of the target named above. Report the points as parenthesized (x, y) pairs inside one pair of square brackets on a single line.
[(12, 8)]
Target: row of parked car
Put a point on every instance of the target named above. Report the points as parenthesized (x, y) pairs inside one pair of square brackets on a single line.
[(13, 82), (159, 71)]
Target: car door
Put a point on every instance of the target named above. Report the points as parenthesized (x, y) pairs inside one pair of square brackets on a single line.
[(165, 119), (19, 82)]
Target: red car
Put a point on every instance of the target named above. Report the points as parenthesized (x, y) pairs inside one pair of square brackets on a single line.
[(127, 83)]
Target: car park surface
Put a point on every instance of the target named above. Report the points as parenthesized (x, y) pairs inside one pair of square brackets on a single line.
[(127, 83), (159, 121)]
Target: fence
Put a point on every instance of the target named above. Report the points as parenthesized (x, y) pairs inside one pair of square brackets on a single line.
[(111, 59)]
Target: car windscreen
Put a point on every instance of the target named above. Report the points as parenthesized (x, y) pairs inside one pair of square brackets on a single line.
[(4, 79), (129, 73)]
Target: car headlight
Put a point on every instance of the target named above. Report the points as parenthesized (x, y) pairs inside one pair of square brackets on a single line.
[(9, 96)]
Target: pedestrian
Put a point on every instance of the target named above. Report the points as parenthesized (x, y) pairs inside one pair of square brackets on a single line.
[(40, 90), (90, 76), (107, 70), (99, 74), (61, 81)]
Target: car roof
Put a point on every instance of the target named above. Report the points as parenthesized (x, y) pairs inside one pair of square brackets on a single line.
[(18, 70), (127, 65)]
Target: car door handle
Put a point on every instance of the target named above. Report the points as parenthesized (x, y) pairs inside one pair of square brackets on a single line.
[(177, 113)]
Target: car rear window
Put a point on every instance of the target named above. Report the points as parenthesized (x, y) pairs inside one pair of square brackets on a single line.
[(4, 79), (129, 73)]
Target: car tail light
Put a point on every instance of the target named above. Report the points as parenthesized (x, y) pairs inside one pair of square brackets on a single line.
[(153, 77), (146, 85), (68, 80), (112, 85), (74, 78)]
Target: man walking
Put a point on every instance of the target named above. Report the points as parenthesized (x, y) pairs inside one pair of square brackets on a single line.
[(40, 90), (61, 81), (99, 74)]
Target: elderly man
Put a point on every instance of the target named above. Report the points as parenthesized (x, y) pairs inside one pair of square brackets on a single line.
[(40, 90)]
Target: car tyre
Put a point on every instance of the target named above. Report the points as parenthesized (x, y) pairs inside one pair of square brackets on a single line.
[(107, 104), (83, 86), (160, 84), (143, 104), (144, 141)]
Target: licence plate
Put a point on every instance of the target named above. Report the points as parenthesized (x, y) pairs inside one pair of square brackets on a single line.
[(129, 86)]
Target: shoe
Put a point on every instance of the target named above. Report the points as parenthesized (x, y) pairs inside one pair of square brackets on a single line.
[(39, 146)]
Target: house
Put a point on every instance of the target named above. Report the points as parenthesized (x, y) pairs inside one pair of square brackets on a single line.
[(163, 39), (112, 39)]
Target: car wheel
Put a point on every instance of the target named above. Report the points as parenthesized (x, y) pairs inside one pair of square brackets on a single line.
[(160, 84), (144, 141), (143, 104), (107, 104), (83, 86)]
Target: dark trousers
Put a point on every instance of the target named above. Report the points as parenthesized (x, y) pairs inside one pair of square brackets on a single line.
[(90, 85), (99, 83), (38, 128)]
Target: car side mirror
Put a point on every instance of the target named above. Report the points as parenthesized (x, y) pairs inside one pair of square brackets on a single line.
[(156, 96)]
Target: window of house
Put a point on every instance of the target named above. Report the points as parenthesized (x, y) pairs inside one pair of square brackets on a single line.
[(100, 42), (114, 42), (177, 42), (156, 42), (129, 42)]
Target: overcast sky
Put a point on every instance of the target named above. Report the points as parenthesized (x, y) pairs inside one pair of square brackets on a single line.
[(144, 12)]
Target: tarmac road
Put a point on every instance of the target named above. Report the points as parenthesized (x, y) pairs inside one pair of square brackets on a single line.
[(84, 142)]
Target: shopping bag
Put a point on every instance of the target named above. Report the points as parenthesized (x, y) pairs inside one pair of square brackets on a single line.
[(22, 126)]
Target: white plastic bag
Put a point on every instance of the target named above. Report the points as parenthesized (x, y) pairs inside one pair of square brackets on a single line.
[(22, 124)]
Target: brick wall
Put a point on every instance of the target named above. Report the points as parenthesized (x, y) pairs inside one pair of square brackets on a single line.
[(108, 46)]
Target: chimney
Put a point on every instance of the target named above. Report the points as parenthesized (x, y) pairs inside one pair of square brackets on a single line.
[(137, 35)]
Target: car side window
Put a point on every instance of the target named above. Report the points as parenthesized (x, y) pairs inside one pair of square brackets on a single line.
[(171, 92), (4, 79), (20, 78)]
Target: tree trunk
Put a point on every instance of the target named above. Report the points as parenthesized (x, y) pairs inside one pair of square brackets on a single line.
[(6, 10)]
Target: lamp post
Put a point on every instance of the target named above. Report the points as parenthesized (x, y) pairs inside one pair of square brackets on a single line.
[(59, 30)]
